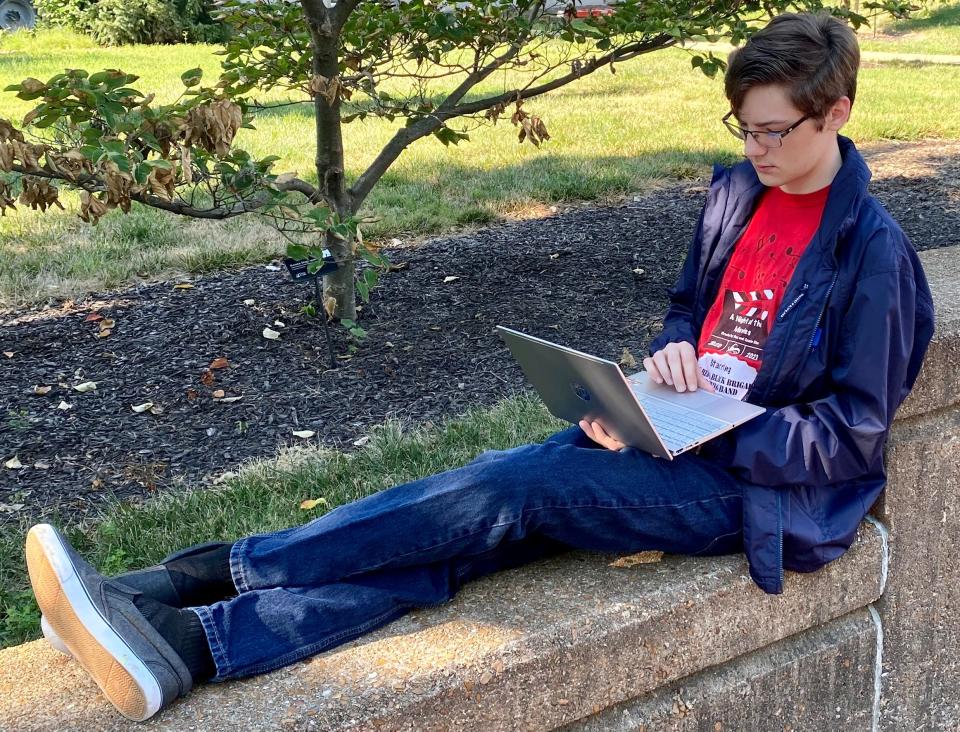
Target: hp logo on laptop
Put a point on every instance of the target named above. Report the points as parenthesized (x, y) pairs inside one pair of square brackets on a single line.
[(580, 391)]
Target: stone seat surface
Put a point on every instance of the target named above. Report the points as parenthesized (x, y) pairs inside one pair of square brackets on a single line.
[(532, 648)]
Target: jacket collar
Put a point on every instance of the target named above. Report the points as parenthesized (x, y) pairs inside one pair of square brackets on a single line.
[(847, 192)]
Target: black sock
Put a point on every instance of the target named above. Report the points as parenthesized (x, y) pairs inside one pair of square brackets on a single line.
[(184, 632), (203, 578)]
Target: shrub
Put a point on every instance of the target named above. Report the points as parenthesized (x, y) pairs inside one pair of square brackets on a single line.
[(121, 22)]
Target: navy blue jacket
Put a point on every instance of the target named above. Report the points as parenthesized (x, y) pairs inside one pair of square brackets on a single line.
[(845, 350)]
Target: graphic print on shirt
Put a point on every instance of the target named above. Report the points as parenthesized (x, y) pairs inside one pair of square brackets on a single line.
[(733, 352), (738, 323)]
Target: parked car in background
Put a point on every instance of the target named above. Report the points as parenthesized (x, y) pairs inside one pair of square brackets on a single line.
[(17, 14)]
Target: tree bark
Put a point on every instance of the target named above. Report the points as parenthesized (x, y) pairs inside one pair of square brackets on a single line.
[(325, 36)]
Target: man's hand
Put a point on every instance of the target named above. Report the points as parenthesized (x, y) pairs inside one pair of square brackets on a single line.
[(676, 365), (596, 433)]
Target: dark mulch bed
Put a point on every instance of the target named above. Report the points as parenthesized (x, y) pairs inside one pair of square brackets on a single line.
[(591, 277)]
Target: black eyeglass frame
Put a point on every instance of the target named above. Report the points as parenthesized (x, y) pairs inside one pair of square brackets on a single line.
[(741, 133)]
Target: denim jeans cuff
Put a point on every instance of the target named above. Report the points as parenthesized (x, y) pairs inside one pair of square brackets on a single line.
[(213, 640), (237, 573)]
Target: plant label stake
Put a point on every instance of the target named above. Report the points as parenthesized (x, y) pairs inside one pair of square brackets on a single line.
[(299, 270)]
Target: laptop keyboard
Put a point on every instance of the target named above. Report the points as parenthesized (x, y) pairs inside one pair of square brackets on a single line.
[(677, 426)]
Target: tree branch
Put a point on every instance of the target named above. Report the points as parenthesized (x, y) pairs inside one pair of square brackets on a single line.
[(626, 53), (426, 126), (93, 184)]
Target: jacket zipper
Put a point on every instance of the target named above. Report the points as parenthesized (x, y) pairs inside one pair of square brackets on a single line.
[(823, 309), (780, 534)]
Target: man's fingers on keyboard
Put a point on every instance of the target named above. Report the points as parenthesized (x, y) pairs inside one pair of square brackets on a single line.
[(663, 368), (704, 382), (651, 368), (691, 369)]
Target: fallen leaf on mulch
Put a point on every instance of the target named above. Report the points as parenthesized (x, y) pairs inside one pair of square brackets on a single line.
[(183, 286), (279, 324), (219, 363), (249, 301), (229, 400), (93, 318), (305, 434), (206, 378), (8, 354), (86, 386), (271, 334), (219, 394), (627, 360), (632, 560), (192, 394), (313, 503), (64, 406), (362, 441), (330, 306), (140, 408), (42, 390), (450, 278), (13, 463), (40, 465)]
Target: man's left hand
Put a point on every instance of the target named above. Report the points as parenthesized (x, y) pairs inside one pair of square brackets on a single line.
[(595, 432)]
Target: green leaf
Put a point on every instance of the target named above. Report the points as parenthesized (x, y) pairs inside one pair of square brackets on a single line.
[(191, 77), (297, 251), (141, 172)]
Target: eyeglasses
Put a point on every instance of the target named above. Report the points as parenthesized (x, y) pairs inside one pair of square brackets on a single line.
[(763, 138)]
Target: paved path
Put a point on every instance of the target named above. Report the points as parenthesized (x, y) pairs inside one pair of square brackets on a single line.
[(877, 56)]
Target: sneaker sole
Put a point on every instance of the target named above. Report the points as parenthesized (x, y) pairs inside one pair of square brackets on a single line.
[(124, 679), (52, 638)]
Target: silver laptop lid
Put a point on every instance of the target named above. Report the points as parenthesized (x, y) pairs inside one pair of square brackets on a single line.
[(576, 385)]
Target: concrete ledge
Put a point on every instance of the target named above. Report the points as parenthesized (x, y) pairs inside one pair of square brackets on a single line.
[(762, 690), (533, 648)]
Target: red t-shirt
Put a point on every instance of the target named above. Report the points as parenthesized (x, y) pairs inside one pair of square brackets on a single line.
[(738, 323)]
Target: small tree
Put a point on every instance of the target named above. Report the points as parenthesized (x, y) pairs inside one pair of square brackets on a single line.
[(98, 134)]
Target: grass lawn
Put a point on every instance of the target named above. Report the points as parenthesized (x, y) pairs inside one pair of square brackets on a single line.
[(933, 30), (612, 134), (266, 496)]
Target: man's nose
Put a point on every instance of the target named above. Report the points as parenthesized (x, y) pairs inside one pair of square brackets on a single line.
[(752, 148)]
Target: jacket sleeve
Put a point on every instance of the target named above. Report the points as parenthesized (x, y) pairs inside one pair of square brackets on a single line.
[(841, 436)]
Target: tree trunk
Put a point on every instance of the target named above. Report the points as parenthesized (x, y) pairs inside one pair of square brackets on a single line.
[(330, 179)]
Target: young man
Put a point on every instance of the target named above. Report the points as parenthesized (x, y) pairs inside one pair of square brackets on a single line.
[(799, 294)]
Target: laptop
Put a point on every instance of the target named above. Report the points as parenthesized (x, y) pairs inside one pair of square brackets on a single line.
[(636, 411)]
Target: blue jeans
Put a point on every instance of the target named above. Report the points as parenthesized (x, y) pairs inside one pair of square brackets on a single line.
[(309, 588)]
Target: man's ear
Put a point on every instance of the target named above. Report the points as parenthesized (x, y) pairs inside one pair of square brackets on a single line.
[(838, 114)]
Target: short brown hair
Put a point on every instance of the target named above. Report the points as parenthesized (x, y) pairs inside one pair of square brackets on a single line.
[(815, 56)]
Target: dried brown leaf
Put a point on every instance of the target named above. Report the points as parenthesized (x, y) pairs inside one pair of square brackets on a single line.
[(9, 132), (39, 194), (212, 126), (627, 360), (321, 86), (92, 209), (219, 363), (162, 182)]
